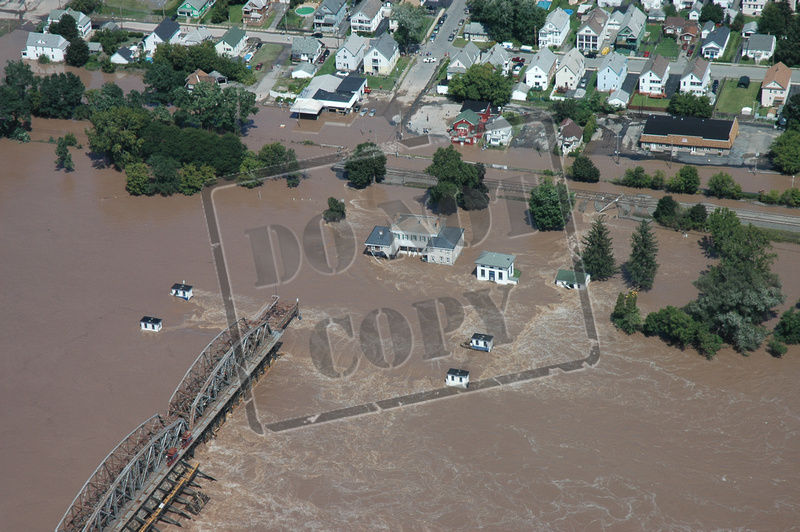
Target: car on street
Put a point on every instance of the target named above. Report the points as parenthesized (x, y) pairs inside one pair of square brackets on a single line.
[(461, 22), (466, 11), (518, 60), (363, 111), (429, 60), (317, 35), (259, 45), (259, 66), (452, 37)]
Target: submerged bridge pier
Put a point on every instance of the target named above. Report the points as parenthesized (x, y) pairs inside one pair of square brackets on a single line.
[(140, 482)]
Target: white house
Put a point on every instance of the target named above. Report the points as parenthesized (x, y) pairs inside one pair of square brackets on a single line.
[(751, 28), (716, 42), (541, 69), (759, 47), (653, 79), (198, 36), (457, 377), (569, 279), (571, 69), (775, 88), (352, 53), (707, 28), (83, 22), (495, 267), (650, 5), (367, 16), (474, 31), (39, 44), (570, 135), (233, 43), (182, 290), (125, 56), (609, 3), (329, 92), (619, 98), (613, 71), (519, 92), (694, 13), (498, 57), (463, 59), (481, 342), (149, 323), (593, 32), (382, 56), (753, 8), (555, 29), (168, 31), (304, 70), (307, 49), (498, 132), (411, 234), (696, 77)]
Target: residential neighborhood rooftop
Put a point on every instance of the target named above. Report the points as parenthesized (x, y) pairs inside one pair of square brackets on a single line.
[(495, 260)]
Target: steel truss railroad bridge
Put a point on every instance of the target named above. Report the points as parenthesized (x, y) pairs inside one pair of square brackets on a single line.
[(129, 489)]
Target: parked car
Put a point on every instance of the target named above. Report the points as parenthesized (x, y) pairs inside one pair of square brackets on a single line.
[(517, 70), (647, 54), (685, 46), (583, 83), (363, 111), (372, 112), (715, 86), (518, 60), (461, 22), (259, 66), (452, 37), (317, 35), (744, 82), (444, 17)]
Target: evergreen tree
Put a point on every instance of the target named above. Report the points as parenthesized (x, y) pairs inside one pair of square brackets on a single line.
[(550, 205), (642, 266), (335, 211), (64, 158), (626, 314), (598, 257)]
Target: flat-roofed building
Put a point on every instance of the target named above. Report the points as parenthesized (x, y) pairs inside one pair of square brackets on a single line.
[(688, 134)]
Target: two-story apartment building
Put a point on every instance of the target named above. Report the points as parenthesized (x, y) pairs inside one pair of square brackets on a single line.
[(167, 31), (254, 12), (653, 79), (47, 44), (613, 71), (555, 29), (382, 56), (696, 77), (775, 88), (631, 31), (593, 32), (417, 235), (753, 8), (329, 15), (541, 69), (350, 56), (367, 17), (232, 43), (571, 70)]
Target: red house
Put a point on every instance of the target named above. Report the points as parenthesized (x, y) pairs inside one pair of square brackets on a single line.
[(468, 128), (482, 109)]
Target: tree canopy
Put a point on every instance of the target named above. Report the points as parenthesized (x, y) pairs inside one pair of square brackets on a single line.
[(77, 53), (712, 12), (481, 82), (335, 212), (598, 255), (784, 152), (410, 23), (506, 20), (686, 181), (366, 165), (66, 27), (583, 169), (459, 183), (551, 205), (722, 185), (642, 265), (687, 104)]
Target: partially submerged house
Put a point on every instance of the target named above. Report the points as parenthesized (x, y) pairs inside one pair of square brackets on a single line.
[(182, 290), (570, 135), (481, 342), (417, 235), (457, 377), (570, 279), (45, 44), (149, 323), (495, 267)]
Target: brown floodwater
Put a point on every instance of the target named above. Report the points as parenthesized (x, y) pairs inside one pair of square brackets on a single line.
[(651, 437)]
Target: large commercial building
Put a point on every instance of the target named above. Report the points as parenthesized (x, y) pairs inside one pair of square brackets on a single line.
[(699, 136)]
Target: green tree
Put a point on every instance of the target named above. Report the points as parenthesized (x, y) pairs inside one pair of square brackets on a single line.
[(86, 6), (686, 181), (110, 40), (785, 152), (636, 178), (626, 316), (59, 95), (583, 169), (550, 205), (776, 348), (658, 180), (775, 19), (711, 12), (161, 80), (687, 104), (529, 18), (166, 179), (738, 22), (483, 83), (642, 264), (193, 178), (670, 10), (77, 53), (66, 27), (410, 23), (673, 325), (694, 218), (722, 185), (63, 157), (117, 134), (108, 96), (598, 255), (456, 179), (366, 165), (15, 98), (589, 129), (788, 328), (667, 211), (137, 179), (335, 211)]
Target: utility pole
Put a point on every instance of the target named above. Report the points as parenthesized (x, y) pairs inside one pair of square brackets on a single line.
[(617, 152), (755, 165)]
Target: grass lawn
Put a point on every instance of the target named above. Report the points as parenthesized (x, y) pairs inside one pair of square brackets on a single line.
[(328, 67), (268, 54), (7, 26), (460, 43), (125, 8), (640, 100), (733, 47), (668, 48), (654, 31), (387, 82), (592, 85), (731, 99), (291, 20), (235, 14)]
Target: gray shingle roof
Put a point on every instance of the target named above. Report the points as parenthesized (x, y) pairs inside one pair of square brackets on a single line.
[(369, 8), (447, 239), (761, 43), (385, 45), (697, 66), (658, 64), (353, 44), (380, 236), (47, 40), (495, 260), (305, 45), (543, 59), (167, 29), (558, 18), (718, 37), (616, 62)]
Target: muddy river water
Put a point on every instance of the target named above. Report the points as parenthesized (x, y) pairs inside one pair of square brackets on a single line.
[(648, 438)]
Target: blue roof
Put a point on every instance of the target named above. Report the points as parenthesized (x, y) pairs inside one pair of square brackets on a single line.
[(380, 236), (447, 238)]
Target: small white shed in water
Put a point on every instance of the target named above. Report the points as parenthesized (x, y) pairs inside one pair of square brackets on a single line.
[(482, 342), (458, 378), (181, 290), (149, 323), (570, 279)]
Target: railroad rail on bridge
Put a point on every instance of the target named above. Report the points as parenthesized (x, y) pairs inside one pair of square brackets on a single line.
[(114, 495)]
